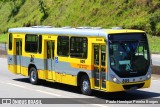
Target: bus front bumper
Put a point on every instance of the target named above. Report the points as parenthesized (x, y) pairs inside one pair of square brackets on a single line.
[(114, 87)]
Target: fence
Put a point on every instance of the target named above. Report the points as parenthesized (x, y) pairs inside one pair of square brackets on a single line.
[(3, 48)]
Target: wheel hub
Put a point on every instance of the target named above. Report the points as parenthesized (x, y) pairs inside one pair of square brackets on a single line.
[(85, 85), (33, 76)]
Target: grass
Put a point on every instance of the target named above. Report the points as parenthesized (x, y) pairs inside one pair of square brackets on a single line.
[(154, 43), (4, 37)]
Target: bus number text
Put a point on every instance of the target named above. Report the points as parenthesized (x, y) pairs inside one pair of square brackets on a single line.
[(125, 80), (82, 61)]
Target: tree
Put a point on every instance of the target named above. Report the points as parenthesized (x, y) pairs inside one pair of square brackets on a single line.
[(14, 5), (43, 9)]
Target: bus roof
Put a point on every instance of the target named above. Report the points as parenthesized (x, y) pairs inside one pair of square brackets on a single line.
[(71, 31)]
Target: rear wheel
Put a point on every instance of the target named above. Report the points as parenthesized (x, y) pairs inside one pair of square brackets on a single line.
[(85, 85), (33, 76)]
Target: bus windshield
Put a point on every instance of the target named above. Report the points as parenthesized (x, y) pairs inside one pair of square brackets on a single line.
[(129, 54)]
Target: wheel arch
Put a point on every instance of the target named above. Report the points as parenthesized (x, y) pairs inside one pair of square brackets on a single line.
[(30, 66), (79, 76)]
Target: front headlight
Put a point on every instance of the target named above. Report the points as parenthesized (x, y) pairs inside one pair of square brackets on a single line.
[(148, 76), (114, 79)]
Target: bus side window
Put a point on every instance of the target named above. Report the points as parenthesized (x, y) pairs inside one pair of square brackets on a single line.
[(31, 43), (40, 44), (63, 46), (10, 41), (78, 47)]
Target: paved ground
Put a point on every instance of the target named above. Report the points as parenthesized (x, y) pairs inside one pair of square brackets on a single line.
[(156, 59), (16, 86), (3, 46)]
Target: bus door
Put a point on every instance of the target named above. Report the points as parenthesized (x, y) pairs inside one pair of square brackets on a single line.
[(18, 54), (50, 46), (99, 66)]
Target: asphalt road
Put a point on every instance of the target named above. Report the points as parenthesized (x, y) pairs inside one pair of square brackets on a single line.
[(16, 86)]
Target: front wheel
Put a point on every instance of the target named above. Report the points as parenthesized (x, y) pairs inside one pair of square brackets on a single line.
[(85, 85), (33, 76)]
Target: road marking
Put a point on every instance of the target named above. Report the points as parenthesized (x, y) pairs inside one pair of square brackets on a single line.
[(45, 92), (48, 93), (33, 89), (16, 85)]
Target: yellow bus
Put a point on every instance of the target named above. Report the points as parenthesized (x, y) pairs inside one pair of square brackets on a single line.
[(108, 60)]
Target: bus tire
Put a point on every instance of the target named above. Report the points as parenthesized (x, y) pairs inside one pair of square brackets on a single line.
[(85, 85), (33, 76)]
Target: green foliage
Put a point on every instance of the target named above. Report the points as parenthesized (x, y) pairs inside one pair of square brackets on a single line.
[(134, 14), (154, 20), (15, 5), (4, 37), (154, 43), (137, 14), (43, 9)]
